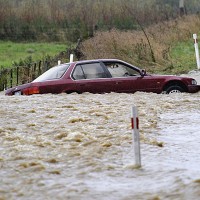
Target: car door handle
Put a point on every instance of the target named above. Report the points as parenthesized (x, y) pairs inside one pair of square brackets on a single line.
[(118, 82)]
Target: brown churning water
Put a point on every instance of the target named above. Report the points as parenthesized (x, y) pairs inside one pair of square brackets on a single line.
[(80, 146)]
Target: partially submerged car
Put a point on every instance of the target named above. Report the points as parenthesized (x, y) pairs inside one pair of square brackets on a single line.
[(103, 76)]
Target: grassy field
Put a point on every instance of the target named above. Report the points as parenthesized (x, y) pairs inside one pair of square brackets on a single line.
[(183, 57), (12, 52)]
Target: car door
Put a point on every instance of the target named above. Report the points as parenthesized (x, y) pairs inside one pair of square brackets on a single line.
[(92, 77), (125, 78), (149, 83)]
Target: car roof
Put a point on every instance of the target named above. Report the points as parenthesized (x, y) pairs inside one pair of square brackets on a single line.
[(97, 60), (101, 60)]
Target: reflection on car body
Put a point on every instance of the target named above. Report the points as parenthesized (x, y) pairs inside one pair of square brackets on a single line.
[(103, 76)]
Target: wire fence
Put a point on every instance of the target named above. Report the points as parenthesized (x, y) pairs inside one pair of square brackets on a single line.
[(18, 75), (26, 73)]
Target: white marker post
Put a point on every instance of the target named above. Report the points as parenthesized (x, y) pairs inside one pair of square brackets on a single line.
[(59, 62), (71, 58), (196, 50), (136, 137)]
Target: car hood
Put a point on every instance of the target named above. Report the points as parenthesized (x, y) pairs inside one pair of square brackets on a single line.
[(10, 91)]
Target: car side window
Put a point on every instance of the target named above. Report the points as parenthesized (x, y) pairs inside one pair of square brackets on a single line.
[(93, 70), (89, 71), (121, 70), (78, 73)]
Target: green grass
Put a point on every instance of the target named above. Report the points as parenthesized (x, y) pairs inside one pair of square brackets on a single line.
[(14, 52), (183, 57)]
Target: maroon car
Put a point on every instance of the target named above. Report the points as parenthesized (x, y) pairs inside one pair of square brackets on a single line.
[(103, 76)]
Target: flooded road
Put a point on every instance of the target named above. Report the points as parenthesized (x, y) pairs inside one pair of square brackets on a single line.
[(80, 146)]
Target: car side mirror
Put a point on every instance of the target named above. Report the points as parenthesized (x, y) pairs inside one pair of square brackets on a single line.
[(143, 72)]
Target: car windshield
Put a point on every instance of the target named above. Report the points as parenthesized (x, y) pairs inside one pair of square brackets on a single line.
[(53, 73)]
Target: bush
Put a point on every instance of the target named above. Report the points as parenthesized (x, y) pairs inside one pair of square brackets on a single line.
[(49, 19), (133, 46)]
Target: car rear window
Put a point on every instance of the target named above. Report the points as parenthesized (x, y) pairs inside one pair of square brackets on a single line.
[(53, 73)]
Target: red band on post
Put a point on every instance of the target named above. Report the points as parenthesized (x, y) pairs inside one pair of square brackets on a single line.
[(137, 121), (132, 123)]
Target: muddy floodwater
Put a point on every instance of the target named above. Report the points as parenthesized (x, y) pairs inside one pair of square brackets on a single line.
[(80, 147)]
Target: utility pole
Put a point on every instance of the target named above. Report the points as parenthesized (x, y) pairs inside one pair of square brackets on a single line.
[(182, 8)]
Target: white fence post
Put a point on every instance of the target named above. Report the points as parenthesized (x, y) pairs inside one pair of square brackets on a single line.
[(59, 62), (136, 136), (71, 58), (196, 50)]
